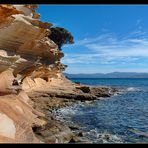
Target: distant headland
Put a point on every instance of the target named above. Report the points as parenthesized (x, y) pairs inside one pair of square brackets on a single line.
[(109, 75)]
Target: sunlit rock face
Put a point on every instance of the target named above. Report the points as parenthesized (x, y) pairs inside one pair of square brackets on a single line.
[(24, 45), (16, 118), (29, 60)]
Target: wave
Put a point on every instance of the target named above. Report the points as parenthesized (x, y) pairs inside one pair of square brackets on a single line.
[(105, 137), (72, 110), (64, 114), (130, 89)]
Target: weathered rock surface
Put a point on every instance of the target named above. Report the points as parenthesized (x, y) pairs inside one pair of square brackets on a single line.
[(24, 45), (28, 59), (17, 118)]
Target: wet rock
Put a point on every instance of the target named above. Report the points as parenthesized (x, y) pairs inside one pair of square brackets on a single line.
[(102, 91), (80, 134), (73, 128), (54, 132), (84, 89)]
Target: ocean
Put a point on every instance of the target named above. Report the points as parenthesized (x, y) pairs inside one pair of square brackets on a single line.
[(122, 118)]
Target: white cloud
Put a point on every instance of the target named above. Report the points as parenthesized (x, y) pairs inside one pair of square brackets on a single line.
[(86, 41), (107, 48), (126, 48)]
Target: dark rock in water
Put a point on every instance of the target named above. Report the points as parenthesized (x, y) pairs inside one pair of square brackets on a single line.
[(77, 96), (85, 89), (103, 95), (107, 137), (79, 140), (80, 134), (73, 128), (102, 91), (72, 141)]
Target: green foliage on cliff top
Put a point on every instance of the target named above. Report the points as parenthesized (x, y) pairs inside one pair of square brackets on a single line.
[(61, 36)]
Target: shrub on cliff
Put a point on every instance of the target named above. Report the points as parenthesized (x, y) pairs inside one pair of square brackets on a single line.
[(61, 36)]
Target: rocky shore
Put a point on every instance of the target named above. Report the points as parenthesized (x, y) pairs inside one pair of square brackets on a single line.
[(47, 101)]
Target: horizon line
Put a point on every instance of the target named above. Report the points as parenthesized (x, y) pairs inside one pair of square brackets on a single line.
[(107, 72)]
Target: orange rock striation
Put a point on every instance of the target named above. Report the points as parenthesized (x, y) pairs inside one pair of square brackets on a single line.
[(29, 60)]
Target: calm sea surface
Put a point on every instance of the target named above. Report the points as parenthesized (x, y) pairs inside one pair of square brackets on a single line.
[(124, 116)]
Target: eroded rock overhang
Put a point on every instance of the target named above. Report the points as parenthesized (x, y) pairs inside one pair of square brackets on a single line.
[(24, 44)]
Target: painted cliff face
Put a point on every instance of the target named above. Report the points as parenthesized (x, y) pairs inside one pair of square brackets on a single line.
[(28, 60), (25, 48)]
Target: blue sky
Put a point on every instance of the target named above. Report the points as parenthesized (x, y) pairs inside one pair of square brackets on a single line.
[(108, 38)]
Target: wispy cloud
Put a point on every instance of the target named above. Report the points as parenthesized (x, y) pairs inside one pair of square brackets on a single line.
[(110, 49)]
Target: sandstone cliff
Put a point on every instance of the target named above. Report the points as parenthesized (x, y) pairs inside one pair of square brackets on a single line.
[(29, 60)]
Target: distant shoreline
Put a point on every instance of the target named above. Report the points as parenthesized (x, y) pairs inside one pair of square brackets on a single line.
[(115, 75), (107, 78)]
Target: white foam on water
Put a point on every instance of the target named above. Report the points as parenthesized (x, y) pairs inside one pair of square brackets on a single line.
[(71, 110), (129, 89), (110, 138), (132, 89), (64, 114), (103, 137)]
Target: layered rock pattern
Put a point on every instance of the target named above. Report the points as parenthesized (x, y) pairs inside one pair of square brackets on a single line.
[(28, 60), (24, 45)]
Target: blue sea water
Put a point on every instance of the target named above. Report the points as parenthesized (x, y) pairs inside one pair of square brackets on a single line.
[(124, 116)]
